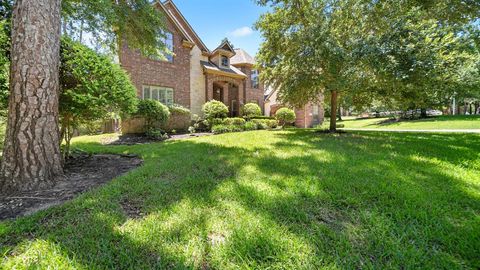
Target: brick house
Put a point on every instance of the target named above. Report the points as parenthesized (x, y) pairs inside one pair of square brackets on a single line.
[(194, 74), (308, 116)]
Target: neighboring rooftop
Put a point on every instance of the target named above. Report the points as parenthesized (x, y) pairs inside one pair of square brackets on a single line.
[(242, 58)]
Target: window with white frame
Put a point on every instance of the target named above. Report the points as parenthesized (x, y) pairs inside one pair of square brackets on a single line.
[(162, 94), (254, 79), (224, 61)]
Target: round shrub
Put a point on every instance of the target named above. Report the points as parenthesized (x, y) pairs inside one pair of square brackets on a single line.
[(236, 121), (215, 109), (178, 109), (285, 116), (153, 111), (250, 126), (219, 129), (251, 110)]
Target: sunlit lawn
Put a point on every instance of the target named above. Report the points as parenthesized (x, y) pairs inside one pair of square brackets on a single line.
[(269, 200), (439, 122)]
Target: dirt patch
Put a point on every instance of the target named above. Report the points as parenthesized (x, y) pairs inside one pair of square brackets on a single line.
[(131, 208), (134, 139), (82, 173)]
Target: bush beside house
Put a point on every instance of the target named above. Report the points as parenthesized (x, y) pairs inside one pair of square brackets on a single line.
[(251, 110), (285, 116)]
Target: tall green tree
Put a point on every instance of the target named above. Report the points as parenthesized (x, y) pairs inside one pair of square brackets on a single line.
[(310, 47), (410, 51), (31, 156)]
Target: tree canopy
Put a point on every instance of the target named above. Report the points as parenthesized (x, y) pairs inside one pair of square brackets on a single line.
[(138, 23), (415, 53)]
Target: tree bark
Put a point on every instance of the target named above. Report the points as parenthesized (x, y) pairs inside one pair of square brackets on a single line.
[(31, 155), (333, 110)]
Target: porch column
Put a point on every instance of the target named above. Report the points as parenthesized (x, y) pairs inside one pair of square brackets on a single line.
[(225, 94), (240, 96), (208, 89)]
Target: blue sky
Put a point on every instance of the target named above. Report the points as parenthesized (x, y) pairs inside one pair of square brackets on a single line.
[(213, 20)]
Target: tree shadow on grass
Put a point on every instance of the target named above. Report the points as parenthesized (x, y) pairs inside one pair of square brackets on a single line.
[(306, 201)]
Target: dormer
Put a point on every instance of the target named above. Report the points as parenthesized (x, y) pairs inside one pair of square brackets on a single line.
[(222, 54)]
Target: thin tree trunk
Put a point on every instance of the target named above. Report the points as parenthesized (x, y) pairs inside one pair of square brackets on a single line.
[(31, 155), (423, 113), (333, 110)]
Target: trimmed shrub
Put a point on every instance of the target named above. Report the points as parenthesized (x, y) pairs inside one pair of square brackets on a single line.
[(153, 111), (250, 110), (250, 126), (272, 123), (214, 109), (236, 121), (264, 123), (219, 129), (260, 123), (264, 117), (285, 116), (178, 109)]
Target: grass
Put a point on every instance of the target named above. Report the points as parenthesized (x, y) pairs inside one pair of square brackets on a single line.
[(431, 123), (269, 200)]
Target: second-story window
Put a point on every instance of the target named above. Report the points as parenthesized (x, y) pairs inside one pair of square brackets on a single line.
[(224, 61), (254, 79), (168, 40)]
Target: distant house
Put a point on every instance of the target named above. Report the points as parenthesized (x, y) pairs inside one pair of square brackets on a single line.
[(308, 116), (194, 74)]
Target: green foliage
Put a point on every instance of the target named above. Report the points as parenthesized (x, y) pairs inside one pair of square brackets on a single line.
[(251, 110), (407, 54), (138, 23), (4, 63), (92, 88), (214, 109), (153, 111), (156, 133), (265, 123), (236, 121), (178, 110), (219, 129), (285, 116), (250, 125), (263, 117)]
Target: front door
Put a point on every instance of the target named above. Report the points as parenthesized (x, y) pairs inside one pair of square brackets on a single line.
[(233, 108), (217, 93)]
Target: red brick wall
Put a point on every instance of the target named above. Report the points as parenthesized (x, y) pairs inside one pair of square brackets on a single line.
[(145, 71), (251, 93)]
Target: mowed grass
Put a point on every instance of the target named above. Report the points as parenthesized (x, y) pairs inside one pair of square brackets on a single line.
[(431, 123), (291, 199)]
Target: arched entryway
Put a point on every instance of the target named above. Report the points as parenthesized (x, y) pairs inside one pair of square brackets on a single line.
[(228, 90)]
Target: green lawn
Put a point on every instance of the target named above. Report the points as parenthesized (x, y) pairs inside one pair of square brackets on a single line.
[(439, 122), (269, 200)]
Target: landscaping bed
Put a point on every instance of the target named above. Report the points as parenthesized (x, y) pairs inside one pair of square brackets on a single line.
[(82, 173)]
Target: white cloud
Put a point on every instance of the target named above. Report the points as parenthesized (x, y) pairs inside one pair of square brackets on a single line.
[(241, 32)]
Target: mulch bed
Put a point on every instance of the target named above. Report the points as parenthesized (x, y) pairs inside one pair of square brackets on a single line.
[(82, 173)]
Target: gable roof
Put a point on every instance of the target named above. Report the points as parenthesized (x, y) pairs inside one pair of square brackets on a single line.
[(231, 71), (180, 22), (242, 58), (225, 46)]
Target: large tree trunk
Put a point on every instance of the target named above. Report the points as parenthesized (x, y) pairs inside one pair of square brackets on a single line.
[(333, 110), (31, 155)]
